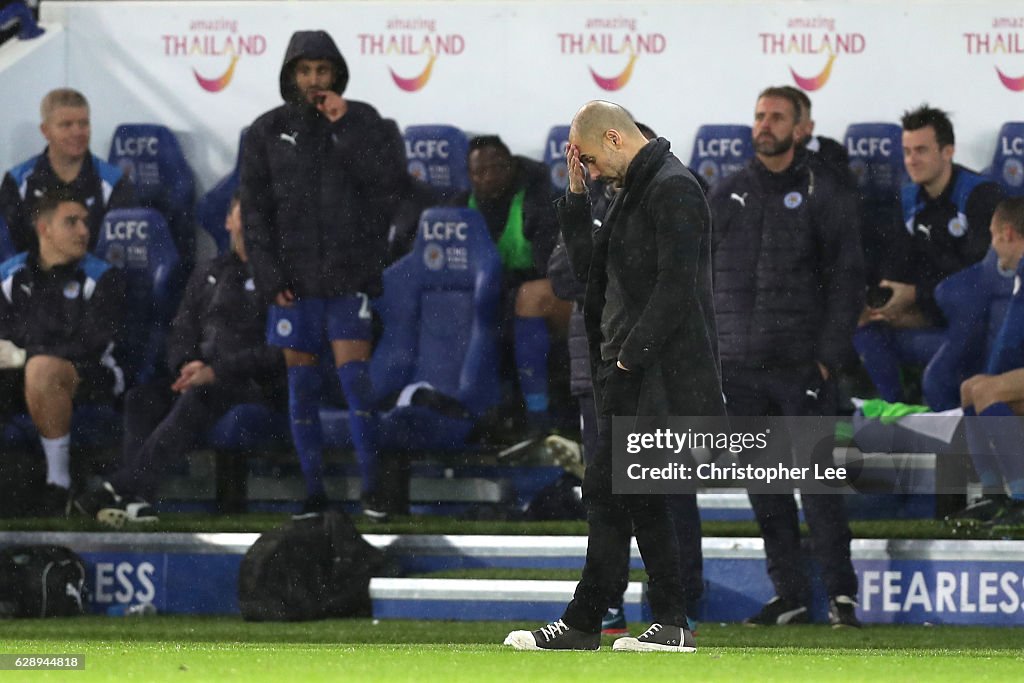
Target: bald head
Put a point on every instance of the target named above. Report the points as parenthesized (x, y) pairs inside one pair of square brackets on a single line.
[(597, 117), (607, 139)]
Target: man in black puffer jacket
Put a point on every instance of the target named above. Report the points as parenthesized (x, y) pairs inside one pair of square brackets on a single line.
[(788, 289), (320, 175)]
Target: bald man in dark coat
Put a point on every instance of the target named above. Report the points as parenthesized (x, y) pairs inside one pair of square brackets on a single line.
[(653, 351)]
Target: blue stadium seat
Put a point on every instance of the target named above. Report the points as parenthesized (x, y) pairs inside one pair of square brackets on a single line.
[(6, 248), (974, 302), (554, 157), (721, 150), (151, 155), (1007, 167), (213, 206), (440, 310), (138, 241), (437, 156), (876, 159)]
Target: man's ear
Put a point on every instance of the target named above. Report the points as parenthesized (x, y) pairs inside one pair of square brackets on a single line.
[(947, 152), (42, 227), (614, 137)]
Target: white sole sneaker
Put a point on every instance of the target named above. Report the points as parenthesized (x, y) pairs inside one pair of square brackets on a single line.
[(629, 644), (521, 640), (112, 517)]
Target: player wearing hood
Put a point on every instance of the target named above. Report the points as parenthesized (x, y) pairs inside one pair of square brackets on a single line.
[(319, 175)]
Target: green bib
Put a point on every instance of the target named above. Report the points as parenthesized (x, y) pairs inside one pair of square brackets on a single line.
[(515, 250)]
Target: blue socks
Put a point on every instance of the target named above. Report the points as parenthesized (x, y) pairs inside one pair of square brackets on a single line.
[(304, 382), (355, 383), (532, 345)]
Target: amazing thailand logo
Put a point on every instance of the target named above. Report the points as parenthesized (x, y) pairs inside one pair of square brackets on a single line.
[(1005, 44), (415, 42), (611, 48), (813, 44), (213, 47)]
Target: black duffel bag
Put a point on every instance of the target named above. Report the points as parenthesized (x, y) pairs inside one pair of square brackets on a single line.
[(41, 581), (314, 568)]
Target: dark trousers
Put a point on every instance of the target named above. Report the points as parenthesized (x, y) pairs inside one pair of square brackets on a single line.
[(161, 427), (685, 518), (795, 391), (614, 519)]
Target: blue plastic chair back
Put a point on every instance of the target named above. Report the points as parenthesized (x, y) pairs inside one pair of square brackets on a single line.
[(437, 156), (139, 242), (876, 159), (440, 312), (554, 157), (152, 157), (1007, 167), (721, 150)]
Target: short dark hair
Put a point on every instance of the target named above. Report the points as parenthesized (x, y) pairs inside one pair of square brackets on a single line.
[(924, 116), (484, 141), (1011, 212), (801, 97), (236, 198), (53, 198), (785, 92)]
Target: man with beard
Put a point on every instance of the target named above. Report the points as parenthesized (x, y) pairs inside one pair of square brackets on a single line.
[(651, 335), (788, 289), (319, 177)]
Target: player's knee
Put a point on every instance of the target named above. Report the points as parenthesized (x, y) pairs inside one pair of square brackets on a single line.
[(49, 373)]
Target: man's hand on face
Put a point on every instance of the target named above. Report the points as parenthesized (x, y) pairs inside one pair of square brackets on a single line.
[(577, 173), (331, 105)]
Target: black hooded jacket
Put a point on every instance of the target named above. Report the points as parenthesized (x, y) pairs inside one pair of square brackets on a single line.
[(317, 196)]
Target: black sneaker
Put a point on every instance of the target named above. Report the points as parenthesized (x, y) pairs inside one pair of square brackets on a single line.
[(659, 638), (779, 612), (614, 622), (979, 512), (107, 507), (842, 612), (55, 501), (555, 636), (313, 506)]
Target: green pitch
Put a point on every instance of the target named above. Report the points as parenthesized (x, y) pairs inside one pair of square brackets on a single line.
[(228, 649)]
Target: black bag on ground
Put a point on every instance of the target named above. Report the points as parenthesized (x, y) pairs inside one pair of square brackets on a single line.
[(313, 568), (41, 581)]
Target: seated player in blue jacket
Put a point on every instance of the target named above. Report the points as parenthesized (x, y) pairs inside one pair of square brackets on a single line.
[(997, 445)]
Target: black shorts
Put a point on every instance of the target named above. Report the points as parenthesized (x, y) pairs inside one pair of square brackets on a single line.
[(96, 384)]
